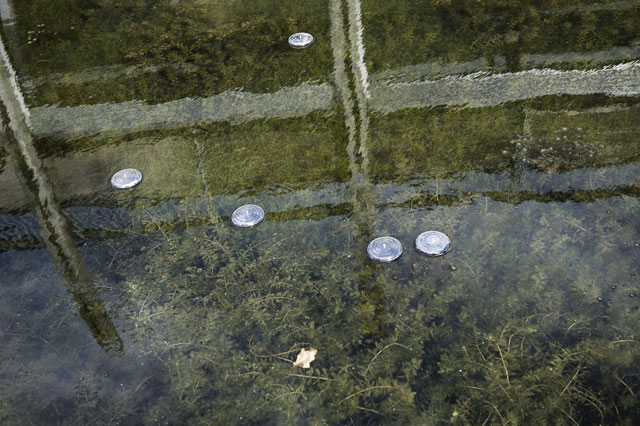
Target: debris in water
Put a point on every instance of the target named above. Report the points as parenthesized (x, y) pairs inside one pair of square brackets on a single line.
[(305, 357)]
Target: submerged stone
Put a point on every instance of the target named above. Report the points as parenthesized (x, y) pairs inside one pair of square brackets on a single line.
[(247, 215), (384, 249), (300, 40), (126, 178), (433, 243)]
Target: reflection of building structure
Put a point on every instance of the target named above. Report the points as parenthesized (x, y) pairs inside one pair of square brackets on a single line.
[(289, 143), (389, 157), (469, 91), (56, 232)]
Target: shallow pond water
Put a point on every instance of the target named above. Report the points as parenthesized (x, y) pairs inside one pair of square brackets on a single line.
[(510, 127)]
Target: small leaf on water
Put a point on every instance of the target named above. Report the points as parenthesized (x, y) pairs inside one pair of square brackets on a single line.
[(305, 357)]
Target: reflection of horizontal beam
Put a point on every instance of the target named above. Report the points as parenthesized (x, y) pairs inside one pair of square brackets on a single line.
[(410, 73), (484, 90), (434, 70), (135, 116), (615, 54), (595, 7), (475, 90), (420, 200), (320, 201), (553, 198), (528, 181)]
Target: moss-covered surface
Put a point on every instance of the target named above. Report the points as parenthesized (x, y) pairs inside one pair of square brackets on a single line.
[(96, 51), (197, 48), (441, 141), (449, 31)]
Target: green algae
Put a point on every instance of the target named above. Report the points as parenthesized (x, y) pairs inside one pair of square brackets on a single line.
[(410, 342)]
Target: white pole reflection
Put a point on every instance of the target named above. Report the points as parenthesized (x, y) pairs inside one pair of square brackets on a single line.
[(19, 142)]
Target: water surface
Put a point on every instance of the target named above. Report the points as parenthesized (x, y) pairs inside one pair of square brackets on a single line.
[(510, 127)]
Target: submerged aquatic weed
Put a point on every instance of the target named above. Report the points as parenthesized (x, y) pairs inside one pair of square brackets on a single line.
[(219, 308)]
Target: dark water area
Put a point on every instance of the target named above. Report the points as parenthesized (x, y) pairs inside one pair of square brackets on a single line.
[(512, 127)]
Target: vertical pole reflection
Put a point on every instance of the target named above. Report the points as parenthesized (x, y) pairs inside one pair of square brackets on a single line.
[(361, 78), (19, 142), (520, 158), (339, 47), (201, 151), (357, 131)]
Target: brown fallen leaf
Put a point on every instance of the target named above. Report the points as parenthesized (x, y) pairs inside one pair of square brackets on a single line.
[(305, 357)]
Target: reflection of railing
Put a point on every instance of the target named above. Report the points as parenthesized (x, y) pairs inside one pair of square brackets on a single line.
[(475, 90), (417, 86), (115, 119), (486, 90), (160, 155), (361, 202), (595, 7), (411, 73), (466, 84), (614, 54), (322, 201), (17, 139)]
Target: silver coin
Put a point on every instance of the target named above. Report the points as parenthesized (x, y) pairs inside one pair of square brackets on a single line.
[(433, 243), (247, 215), (126, 178), (300, 40), (384, 249)]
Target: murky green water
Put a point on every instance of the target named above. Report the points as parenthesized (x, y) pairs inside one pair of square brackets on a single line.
[(511, 127)]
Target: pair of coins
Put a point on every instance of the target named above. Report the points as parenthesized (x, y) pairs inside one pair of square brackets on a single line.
[(244, 216), (387, 249)]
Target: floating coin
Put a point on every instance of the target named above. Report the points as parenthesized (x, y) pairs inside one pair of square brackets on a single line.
[(247, 215), (433, 243), (125, 179), (300, 40), (384, 249)]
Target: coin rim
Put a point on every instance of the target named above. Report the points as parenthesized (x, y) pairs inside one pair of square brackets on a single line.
[(446, 249), (130, 185), (384, 260), (301, 47), (246, 225)]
